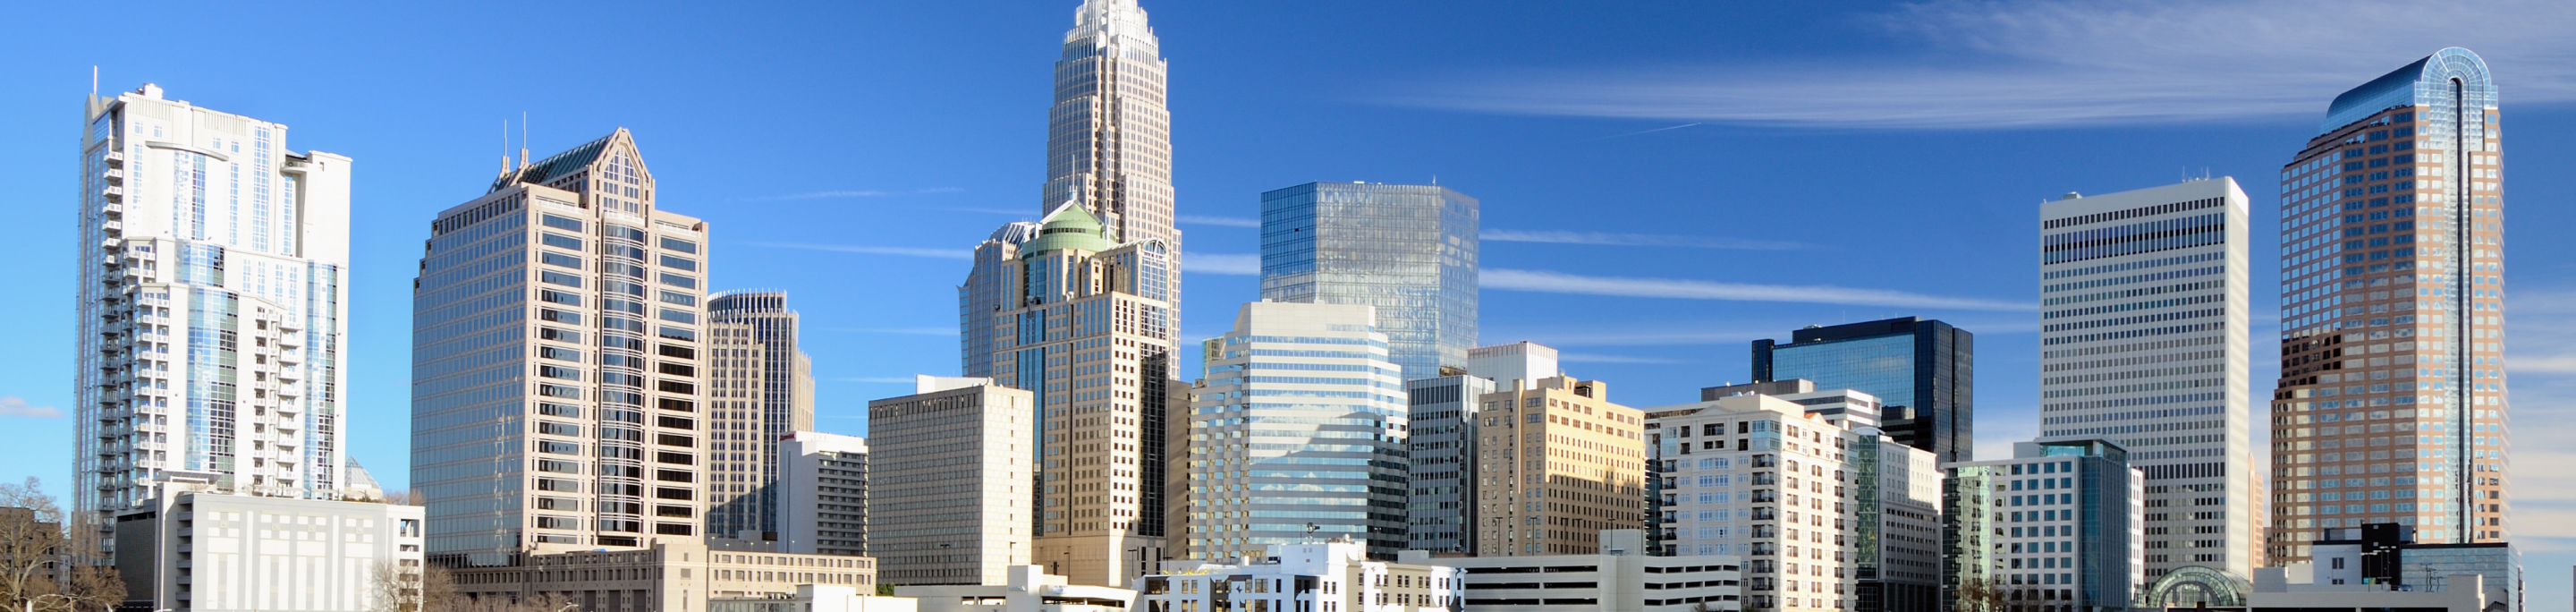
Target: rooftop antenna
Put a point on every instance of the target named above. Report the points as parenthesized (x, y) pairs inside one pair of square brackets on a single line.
[(93, 80), (505, 146), (523, 139)]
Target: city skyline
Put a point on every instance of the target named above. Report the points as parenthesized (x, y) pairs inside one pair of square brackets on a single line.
[(1610, 361)]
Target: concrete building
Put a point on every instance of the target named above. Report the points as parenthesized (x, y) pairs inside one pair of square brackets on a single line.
[(2143, 343), (1297, 432), (1026, 588), (816, 598), (1408, 250), (1624, 577), (1334, 576), (669, 576), (1844, 408), (198, 548), (2392, 314), (760, 391), (1109, 135), (2060, 525), (951, 480), (1565, 463), (1091, 336), (981, 296), (1925, 371), (1827, 516), (213, 305), (559, 363), (1525, 362), (823, 494), (1445, 412)]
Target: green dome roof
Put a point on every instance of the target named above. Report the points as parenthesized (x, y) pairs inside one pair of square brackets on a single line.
[(1069, 227)]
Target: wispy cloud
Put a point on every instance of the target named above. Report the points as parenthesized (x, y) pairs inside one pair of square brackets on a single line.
[(1655, 240), (1558, 282), (1660, 129), (909, 331), (1600, 358), (848, 193), (1969, 64), (17, 406), (871, 250), (1218, 221), (1221, 263)]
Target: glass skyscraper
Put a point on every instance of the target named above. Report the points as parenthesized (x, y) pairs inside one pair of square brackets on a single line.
[(1298, 433), (1409, 250), (2392, 314), (1921, 370)]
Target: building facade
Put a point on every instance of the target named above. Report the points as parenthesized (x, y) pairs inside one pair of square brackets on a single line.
[(1825, 514), (982, 296), (1409, 250), (1923, 370), (2057, 525), (952, 481), (2392, 314), (198, 548), (212, 302), (1297, 432), (1091, 338), (1025, 588), (822, 494), (1109, 134), (1624, 577), (2143, 343), (760, 391), (1317, 576), (559, 363), (669, 576), (1446, 411), (1565, 464)]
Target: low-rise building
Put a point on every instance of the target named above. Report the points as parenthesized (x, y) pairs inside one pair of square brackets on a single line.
[(815, 598), (1624, 577), (1334, 576), (666, 577), (1024, 588), (201, 548)]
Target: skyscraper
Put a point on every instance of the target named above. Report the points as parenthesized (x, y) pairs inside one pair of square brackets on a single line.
[(1409, 250), (2143, 344), (213, 294), (822, 494), (950, 489), (981, 296), (558, 363), (760, 390), (1109, 135), (1924, 370), (1443, 424), (1090, 336), (1565, 463), (2392, 314), (1258, 481)]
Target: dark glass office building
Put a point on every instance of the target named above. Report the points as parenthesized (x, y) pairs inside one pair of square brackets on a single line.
[(1920, 369)]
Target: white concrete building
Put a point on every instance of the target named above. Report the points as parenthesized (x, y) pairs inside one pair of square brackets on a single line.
[(2143, 343), (823, 494), (1025, 588), (201, 549), (1622, 578), (951, 482), (816, 598), (1297, 432), (213, 303), (1334, 576)]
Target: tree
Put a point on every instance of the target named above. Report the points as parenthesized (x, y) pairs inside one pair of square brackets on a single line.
[(1978, 595), (438, 591), (50, 559), (392, 587)]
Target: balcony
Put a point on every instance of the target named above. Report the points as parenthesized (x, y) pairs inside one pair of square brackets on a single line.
[(116, 157), (111, 208), (112, 225), (113, 192), (113, 174)]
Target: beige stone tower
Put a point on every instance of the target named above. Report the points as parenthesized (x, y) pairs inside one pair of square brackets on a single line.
[(1563, 464)]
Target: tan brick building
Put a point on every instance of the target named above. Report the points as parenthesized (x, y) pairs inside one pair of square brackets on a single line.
[(1559, 463)]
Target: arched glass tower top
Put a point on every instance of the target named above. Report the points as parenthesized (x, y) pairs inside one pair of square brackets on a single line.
[(2427, 82)]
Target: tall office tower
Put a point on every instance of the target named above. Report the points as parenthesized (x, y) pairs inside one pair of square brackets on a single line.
[(1409, 250), (213, 290), (1827, 517), (1297, 433), (981, 296), (1090, 337), (1443, 424), (2392, 314), (822, 494), (2058, 523), (2143, 343), (760, 390), (1109, 135), (1925, 371), (557, 363), (950, 497), (1565, 463)]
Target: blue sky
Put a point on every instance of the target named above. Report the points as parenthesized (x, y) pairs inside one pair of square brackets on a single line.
[(1704, 173)]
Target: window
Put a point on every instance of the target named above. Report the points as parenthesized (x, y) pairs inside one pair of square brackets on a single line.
[(679, 280), (679, 316), (552, 258), (559, 240), (558, 316), (559, 335), (676, 422), (559, 297), (566, 223), (558, 429), (679, 263), (559, 372), (682, 299), (559, 278), (676, 244), (560, 410)]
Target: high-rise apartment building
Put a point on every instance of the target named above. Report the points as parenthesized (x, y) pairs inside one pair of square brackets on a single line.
[(1924, 370), (1090, 337), (2143, 343), (822, 494), (760, 391), (1827, 514), (559, 360), (1565, 463), (213, 299), (1409, 250), (1109, 134), (2391, 402), (1445, 412), (951, 481), (1297, 432), (2056, 525)]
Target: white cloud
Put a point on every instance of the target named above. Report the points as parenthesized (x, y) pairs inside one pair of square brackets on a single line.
[(1221, 263), (1610, 239), (1558, 282), (2036, 63), (850, 193), (1218, 221), (12, 405), (872, 250), (1600, 358)]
